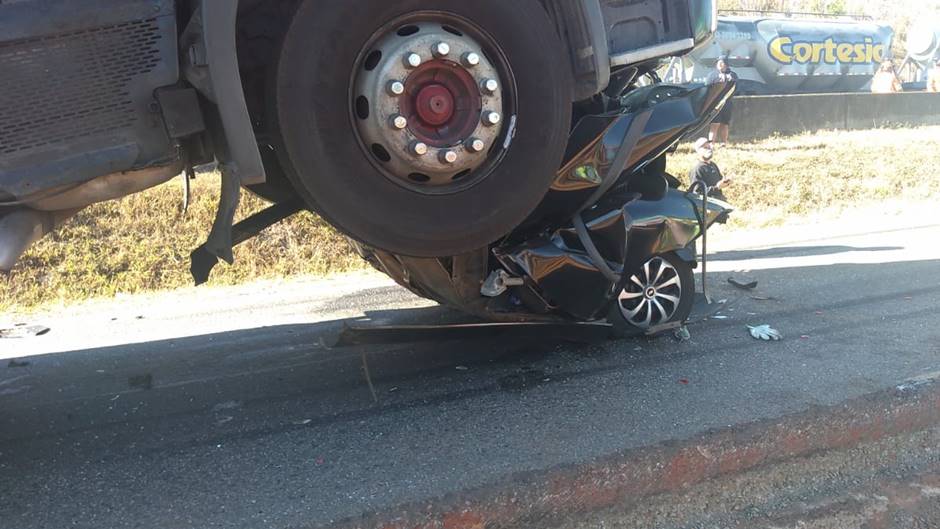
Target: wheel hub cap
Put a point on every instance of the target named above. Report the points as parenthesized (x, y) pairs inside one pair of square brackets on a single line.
[(445, 106), (652, 297), (435, 105)]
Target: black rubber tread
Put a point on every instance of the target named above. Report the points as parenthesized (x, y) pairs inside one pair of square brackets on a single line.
[(328, 168)]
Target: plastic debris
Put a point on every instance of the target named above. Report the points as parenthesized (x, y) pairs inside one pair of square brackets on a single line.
[(682, 334), (462, 368), (719, 317), (743, 285), (765, 298), (684, 381), (765, 332), (21, 330)]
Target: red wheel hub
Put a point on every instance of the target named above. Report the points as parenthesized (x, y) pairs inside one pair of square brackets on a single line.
[(442, 103), (435, 105)]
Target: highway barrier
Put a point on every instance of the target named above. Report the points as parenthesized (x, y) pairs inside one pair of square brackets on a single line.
[(758, 117)]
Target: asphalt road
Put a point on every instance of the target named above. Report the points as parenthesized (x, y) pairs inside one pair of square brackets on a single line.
[(229, 408)]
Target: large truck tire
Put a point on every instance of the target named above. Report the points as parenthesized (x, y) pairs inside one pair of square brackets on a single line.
[(422, 127)]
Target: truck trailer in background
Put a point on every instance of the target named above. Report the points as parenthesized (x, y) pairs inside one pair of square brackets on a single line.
[(776, 53), (923, 50)]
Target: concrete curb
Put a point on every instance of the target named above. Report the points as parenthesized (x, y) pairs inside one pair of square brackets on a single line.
[(539, 499)]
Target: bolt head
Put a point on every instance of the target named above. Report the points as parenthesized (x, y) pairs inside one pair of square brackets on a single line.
[(492, 118), (471, 59), (448, 157), (396, 88), (489, 86), (441, 49), (419, 148), (476, 145), (412, 60), (399, 122)]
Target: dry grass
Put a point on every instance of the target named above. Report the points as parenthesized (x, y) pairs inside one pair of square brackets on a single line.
[(142, 243), (779, 179)]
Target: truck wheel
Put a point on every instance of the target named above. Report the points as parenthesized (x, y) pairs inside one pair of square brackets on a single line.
[(662, 292), (423, 127)]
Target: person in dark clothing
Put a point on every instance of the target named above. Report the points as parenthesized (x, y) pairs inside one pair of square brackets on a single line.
[(721, 127), (706, 171)]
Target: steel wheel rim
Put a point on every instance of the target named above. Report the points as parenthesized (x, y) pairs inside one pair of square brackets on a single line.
[(652, 296), (434, 121)]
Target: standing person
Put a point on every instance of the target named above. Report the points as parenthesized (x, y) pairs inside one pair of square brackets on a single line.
[(886, 80), (933, 78), (721, 127), (706, 170)]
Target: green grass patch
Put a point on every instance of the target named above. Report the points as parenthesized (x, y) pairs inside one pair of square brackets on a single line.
[(142, 243)]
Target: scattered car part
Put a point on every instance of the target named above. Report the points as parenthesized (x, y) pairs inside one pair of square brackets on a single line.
[(499, 282), (743, 285), (20, 331), (765, 333)]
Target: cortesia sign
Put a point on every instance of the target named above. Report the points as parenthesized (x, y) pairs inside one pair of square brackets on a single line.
[(788, 50)]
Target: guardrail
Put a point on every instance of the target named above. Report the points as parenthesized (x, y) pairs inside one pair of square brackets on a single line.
[(757, 117)]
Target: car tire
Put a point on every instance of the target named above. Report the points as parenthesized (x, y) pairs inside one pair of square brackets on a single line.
[(661, 293)]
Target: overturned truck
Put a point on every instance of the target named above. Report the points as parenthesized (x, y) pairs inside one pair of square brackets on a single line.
[(491, 155)]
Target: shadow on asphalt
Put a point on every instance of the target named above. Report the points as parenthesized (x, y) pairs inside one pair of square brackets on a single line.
[(849, 329)]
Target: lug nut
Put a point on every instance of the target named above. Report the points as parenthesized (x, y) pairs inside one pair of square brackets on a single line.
[(491, 118), (399, 122), (412, 60), (489, 86), (441, 49), (471, 59), (396, 88), (419, 148), (476, 145), (448, 157)]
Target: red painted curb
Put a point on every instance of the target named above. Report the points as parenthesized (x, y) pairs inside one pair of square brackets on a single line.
[(538, 499)]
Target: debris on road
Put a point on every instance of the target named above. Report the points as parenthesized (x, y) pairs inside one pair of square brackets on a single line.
[(14, 363), (141, 381), (21, 330), (743, 284), (765, 298), (682, 334), (765, 332)]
